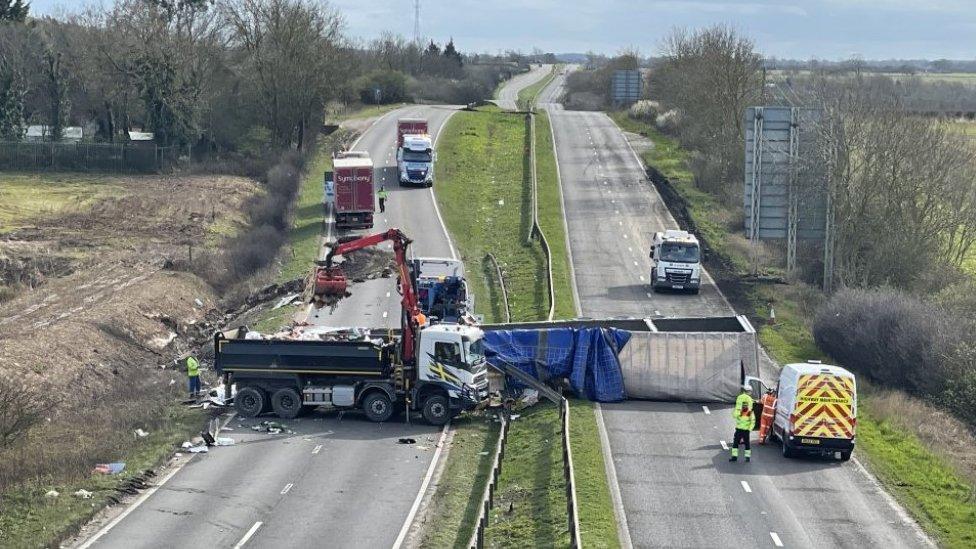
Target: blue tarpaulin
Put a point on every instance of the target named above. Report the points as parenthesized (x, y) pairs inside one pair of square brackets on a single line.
[(587, 357)]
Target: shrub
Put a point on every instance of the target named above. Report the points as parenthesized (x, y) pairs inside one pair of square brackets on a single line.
[(21, 408), (392, 86)]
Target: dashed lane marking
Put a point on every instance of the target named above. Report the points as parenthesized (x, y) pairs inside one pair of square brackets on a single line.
[(746, 487), (705, 409), (317, 449), (250, 533), (725, 445), (776, 541), (287, 488)]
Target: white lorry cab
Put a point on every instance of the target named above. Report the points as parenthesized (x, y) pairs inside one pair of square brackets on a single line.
[(816, 410), (675, 261), (415, 160)]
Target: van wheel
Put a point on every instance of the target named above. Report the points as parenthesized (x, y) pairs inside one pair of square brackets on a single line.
[(436, 410), (287, 403), (378, 407), (250, 402), (845, 456), (787, 451)]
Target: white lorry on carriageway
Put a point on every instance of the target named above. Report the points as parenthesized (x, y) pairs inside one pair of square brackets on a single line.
[(675, 261)]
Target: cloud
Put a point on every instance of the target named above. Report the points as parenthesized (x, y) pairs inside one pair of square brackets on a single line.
[(739, 8)]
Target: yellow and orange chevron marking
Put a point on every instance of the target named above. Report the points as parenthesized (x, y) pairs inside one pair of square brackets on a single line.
[(824, 407)]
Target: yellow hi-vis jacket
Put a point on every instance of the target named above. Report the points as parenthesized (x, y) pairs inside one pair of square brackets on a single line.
[(744, 421), (192, 367)]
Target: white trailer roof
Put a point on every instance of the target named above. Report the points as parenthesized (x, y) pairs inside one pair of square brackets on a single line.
[(352, 163)]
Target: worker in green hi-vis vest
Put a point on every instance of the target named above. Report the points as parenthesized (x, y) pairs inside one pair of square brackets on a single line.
[(193, 375)]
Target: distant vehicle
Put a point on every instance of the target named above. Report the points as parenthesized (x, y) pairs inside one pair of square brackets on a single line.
[(675, 261), (353, 190), (442, 290), (415, 152), (816, 410)]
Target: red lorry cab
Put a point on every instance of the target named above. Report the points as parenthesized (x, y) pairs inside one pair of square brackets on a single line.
[(410, 126), (354, 197)]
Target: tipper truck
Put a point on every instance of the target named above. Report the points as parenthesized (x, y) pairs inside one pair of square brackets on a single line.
[(438, 370), (415, 152), (353, 189)]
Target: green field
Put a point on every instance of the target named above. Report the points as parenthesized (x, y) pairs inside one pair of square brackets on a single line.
[(923, 481), (25, 196)]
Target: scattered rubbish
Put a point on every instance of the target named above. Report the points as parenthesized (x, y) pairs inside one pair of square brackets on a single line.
[(164, 341), (208, 439), (83, 494), (178, 455), (186, 444), (482, 453), (227, 429), (198, 302), (109, 468), (406, 441), (216, 395), (141, 434), (529, 397), (202, 449), (52, 494), (286, 300), (223, 441), (423, 448), (172, 382), (514, 417)]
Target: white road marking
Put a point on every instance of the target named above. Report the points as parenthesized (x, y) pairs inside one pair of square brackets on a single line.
[(621, 223), (423, 490), (657, 313), (649, 294), (248, 535), (745, 486), (706, 410), (616, 212), (642, 278), (776, 541), (635, 263), (625, 236), (317, 449), (287, 488), (386, 313), (387, 294), (629, 249), (725, 445)]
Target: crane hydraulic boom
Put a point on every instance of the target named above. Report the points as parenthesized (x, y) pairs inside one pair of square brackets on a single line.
[(330, 282)]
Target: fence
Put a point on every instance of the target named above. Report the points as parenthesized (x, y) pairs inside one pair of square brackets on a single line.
[(487, 497), (86, 157)]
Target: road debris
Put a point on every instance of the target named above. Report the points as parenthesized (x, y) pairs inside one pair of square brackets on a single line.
[(286, 300), (406, 441), (271, 427), (52, 494), (141, 434), (201, 449), (83, 494), (224, 441), (109, 468)]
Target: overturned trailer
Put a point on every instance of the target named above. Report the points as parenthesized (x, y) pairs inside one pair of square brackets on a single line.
[(685, 359)]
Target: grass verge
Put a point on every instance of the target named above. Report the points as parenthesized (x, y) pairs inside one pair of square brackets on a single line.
[(598, 525), (28, 518), (462, 483), (925, 481), (485, 199), (26, 196), (530, 504), (527, 95)]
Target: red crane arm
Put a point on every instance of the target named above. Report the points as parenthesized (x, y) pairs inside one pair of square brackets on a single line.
[(409, 300)]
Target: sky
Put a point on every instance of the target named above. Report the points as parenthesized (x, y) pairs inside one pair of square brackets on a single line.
[(800, 29)]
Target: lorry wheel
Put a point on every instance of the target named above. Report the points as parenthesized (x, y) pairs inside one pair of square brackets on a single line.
[(378, 407), (287, 403), (250, 402), (436, 410), (787, 451), (845, 456), (695, 291)]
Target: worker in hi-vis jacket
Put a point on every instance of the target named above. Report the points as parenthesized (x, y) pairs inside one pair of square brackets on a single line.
[(745, 420)]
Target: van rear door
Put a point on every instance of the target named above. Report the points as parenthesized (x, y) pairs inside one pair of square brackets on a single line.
[(825, 408)]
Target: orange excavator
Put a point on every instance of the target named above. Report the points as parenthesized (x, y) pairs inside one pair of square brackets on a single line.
[(331, 283)]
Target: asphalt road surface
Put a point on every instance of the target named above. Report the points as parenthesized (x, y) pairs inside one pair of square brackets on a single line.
[(337, 481), (675, 484), (508, 94)]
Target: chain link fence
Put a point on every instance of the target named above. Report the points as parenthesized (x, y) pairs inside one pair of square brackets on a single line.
[(86, 157)]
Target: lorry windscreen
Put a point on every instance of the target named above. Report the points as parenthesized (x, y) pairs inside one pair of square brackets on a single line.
[(416, 156), (474, 350), (680, 253)]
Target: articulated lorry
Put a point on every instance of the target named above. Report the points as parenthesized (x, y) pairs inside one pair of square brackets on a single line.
[(415, 152), (675, 261), (354, 199)]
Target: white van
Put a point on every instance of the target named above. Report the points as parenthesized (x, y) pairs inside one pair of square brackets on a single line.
[(816, 410)]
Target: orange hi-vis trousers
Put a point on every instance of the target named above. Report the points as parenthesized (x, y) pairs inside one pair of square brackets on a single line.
[(768, 413)]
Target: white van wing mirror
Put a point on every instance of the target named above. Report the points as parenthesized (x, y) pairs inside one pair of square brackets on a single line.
[(757, 384)]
